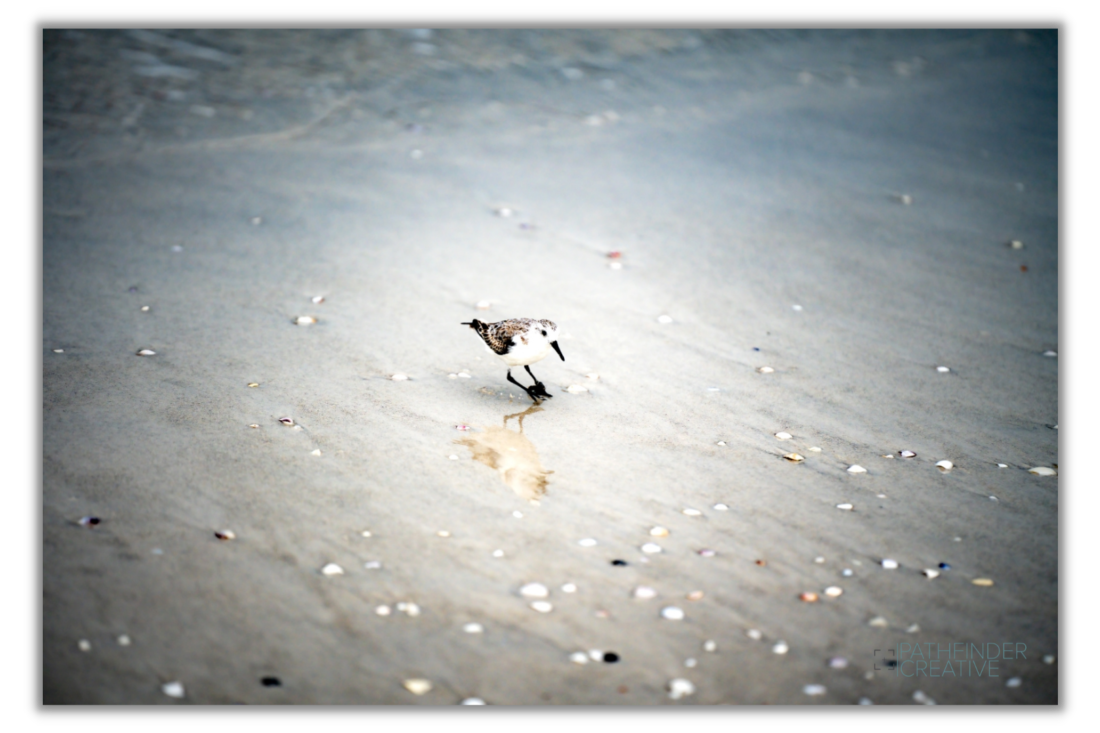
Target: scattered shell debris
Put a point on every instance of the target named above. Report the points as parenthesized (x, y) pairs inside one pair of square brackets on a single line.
[(651, 548), (945, 465), (1042, 471), (84, 645), (889, 564), (658, 532), (225, 535), (690, 662), (796, 307), (913, 629), (453, 457), (691, 512), (504, 212), (304, 321), (146, 352), (418, 686), (144, 309), (680, 687), (542, 606), (587, 542), (878, 622), (173, 689), (593, 376), (781, 435), (765, 370), (366, 533), (462, 427), (847, 572), (534, 590), (664, 319), (576, 389), (1002, 465), (672, 613), (780, 647), (794, 457), (754, 634), (984, 582), (856, 469), (409, 608), (332, 569), (930, 573), (819, 559), (644, 593), (762, 563), (463, 375), (399, 377), (844, 507), (834, 591), (814, 690)]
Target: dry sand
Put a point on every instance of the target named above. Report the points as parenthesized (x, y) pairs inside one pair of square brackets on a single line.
[(739, 174)]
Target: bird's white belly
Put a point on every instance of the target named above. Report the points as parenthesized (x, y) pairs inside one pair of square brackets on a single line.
[(523, 354)]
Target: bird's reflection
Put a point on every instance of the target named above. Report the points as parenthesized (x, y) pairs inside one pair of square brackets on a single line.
[(512, 455)]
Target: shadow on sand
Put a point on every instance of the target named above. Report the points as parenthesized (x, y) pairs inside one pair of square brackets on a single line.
[(512, 455)]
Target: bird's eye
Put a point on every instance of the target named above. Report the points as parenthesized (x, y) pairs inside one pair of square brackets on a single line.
[(544, 333)]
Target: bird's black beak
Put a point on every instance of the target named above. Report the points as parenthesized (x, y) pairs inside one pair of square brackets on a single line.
[(555, 345)]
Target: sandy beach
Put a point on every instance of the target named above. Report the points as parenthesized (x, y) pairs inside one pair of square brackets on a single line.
[(739, 233)]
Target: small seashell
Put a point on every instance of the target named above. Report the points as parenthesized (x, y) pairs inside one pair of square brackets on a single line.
[(173, 689), (922, 698), (88, 521), (1016, 244), (658, 532), (462, 427), (1048, 659), (443, 533), (144, 309), (690, 662), (808, 597), (399, 377), (930, 573), (943, 369), (587, 542), (887, 455), (644, 593), (907, 454), (332, 569), (695, 595), (372, 565), (615, 265), (762, 563), (1042, 471), (123, 640), (59, 351), (754, 634), (578, 658), (984, 582), (944, 465), (847, 572), (253, 384), (503, 212), (721, 442), (780, 647), (838, 663), (651, 548), (844, 507), (473, 628), (765, 370), (304, 321), (576, 389), (813, 690), (944, 566), (672, 613), (783, 436), (710, 646), (680, 687), (534, 590), (1051, 353), (1013, 682), (664, 319), (720, 508), (84, 645), (815, 449), (878, 622), (146, 352), (796, 307), (596, 655), (225, 534), (692, 512), (453, 457), (483, 305), (418, 686), (889, 564), (602, 613), (472, 701), (498, 553), (856, 469), (902, 198), (1002, 465), (410, 609), (256, 221), (288, 421), (176, 247), (614, 254), (706, 552), (913, 629), (517, 514), (463, 375), (315, 452), (819, 559), (383, 610), (569, 588), (834, 591), (366, 533), (794, 457), (542, 606), (317, 299)]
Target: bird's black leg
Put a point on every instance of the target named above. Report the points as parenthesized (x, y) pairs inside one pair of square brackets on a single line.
[(539, 388), (528, 390)]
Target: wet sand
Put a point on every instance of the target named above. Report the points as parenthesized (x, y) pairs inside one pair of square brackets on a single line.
[(739, 175)]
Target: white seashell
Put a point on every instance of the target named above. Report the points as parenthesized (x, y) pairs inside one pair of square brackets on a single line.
[(59, 351), (452, 376), (710, 645), (690, 662), (651, 548), (443, 533), (878, 622), (707, 553), (473, 628), (317, 299), (254, 425), (984, 582), (692, 512), (844, 507), (1002, 465), (146, 352), (576, 389), (922, 698), (664, 319), (498, 553), (542, 606), (1048, 659), (365, 533), (1013, 682), (890, 564), (930, 573), (1050, 353), (315, 452), (680, 687), (483, 305), (815, 449), (453, 457), (596, 655), (226, 534), (569, 588), (304, 321), (721, 442), (587, 542), (297, 427), (783, 436), (288, 421), (944, 465), (1042, 471), (695, 595), (517, 514), (418, 686), (644, 593), (856, 469), (616, 265), (866, 700), (123, 640), (399, 377), (463, 375), (913, 629), (943, 369), (796, 307), (765, 370), (794, 457), (721, 508), (813, 690), (409, 609), (834, 591), (578, 658), (907, 454), (847, 572), (819, 559), (534, 590), (1016, 244), (838, 663), (504, 212), (780, 647), (754, 634), (472, 701), (332, 569), (84, 645), (672, 613), (658, 532), (173, 689), (372, 565), (383, 610)]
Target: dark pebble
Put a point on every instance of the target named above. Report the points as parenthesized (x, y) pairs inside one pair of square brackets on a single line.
[(756, 348), (610, 657), (618, 563), (270, 682), (944, 566)]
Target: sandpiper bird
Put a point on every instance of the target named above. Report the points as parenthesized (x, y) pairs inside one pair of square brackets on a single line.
[(520, 342)]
